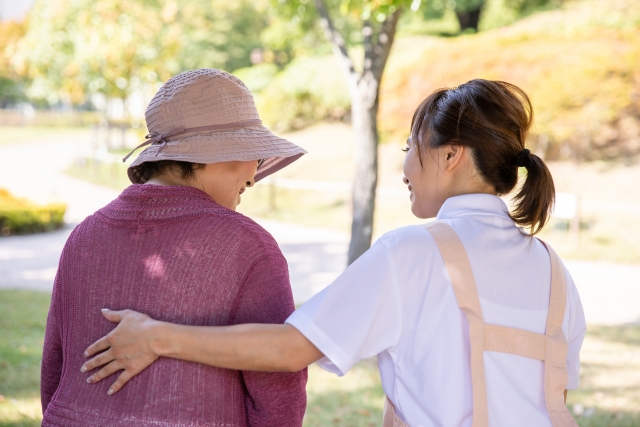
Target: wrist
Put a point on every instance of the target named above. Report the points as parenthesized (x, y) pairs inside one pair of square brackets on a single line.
[(159, 339)]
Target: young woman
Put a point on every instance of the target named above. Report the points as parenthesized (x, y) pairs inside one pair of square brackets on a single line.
[(474, 321)]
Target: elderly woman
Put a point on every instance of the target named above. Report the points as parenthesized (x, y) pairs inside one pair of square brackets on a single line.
[(172, 245)]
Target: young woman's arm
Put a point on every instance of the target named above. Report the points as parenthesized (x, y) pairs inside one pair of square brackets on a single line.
[(139, 340)]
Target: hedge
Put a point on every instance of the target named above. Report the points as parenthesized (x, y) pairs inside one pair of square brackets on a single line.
[(20, 216)]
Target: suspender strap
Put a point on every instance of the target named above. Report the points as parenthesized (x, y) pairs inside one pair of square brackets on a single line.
[(464, 286), (551, 347), (514, 341), (555, 366)]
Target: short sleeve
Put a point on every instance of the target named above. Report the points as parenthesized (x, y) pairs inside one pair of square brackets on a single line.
[(577, 331), (356, 317)]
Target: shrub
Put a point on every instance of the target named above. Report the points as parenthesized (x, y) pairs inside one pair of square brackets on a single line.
[(579, 66), (308, 90), (257, 77), (20, 216)]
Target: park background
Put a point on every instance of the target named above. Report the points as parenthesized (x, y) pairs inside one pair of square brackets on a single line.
[(76, 75)]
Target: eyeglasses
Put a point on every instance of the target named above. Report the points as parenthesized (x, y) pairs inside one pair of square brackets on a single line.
[(260, 162)]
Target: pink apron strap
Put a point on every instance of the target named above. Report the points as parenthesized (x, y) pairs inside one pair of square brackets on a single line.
[(464, 286), (389, 418), (555, 366), (514, 341)]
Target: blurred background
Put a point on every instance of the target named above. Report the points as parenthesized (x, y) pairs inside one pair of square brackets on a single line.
[(76, 76)]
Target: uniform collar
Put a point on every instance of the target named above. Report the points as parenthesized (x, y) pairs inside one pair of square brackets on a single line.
[(473, 204)]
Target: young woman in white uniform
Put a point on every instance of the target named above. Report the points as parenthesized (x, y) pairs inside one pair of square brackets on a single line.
[(474, 322)]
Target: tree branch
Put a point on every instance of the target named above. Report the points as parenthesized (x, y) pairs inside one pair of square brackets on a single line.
[(383, 46), (337, 41)]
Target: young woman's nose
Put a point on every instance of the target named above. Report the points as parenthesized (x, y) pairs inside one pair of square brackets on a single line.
[(405, 180), (250, 183)]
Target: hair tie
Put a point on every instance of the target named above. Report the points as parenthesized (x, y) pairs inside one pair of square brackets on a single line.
[(523, 158)]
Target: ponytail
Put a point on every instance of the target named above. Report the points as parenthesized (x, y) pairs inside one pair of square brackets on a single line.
[(492, 118), (535, 199)]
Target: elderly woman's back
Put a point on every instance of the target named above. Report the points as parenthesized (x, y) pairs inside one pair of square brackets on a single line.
[(175, 254)]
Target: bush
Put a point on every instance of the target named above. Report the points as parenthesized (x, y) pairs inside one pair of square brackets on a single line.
[(19, 216), (257, 77), (308, 90), (579, 66)]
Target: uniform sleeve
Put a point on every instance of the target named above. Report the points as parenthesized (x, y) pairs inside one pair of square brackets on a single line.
[(51, 368), (356, 317), (272, 399), (577, 331)]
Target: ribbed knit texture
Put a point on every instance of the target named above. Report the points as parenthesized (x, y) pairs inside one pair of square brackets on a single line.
[(176, 255)]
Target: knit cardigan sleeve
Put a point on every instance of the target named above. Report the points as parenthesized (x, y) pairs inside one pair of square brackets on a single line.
[(272, 399), (52, 356)]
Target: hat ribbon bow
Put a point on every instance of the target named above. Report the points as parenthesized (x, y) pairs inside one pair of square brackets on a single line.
[(160, 139)]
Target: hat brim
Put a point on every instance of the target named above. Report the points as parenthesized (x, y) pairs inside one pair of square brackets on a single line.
[(244, 144)]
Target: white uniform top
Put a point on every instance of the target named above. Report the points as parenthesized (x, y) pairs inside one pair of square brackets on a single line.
[(396, 302)]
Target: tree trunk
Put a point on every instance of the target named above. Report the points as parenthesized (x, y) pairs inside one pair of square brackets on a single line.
[(469, 19), (364, 116), (364, 89)]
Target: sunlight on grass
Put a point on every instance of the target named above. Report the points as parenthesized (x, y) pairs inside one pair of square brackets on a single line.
[(20, 412), (25, 134)]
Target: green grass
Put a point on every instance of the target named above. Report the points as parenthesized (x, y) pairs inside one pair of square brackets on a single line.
[(21, 337), (609, 393)]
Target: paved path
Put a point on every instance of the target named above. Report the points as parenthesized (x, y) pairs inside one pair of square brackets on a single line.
[(610, 293)]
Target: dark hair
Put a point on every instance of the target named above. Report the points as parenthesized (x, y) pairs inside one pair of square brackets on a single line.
[(492, 118), (147, 170)]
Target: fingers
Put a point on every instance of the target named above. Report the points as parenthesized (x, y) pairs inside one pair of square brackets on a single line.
[(123, 378), (98, 361), (103, 373), (98, 346), (113, 316)]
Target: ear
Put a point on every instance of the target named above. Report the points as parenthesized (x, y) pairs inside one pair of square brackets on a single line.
[(453, 155)]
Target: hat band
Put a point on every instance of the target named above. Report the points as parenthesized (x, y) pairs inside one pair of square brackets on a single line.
[(161, 138)]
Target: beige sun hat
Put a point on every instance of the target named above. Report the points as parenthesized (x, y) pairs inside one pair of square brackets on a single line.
[(209, 116)]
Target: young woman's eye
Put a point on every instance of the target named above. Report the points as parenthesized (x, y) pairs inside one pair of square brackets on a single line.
[(405, 149)]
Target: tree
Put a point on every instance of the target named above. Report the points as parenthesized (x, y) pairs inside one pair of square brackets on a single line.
[(468, 13), (76, 48), (371, 26), (10, 88), (364, 88)]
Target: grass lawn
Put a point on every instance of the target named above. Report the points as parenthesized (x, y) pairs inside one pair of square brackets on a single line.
[(22, 324), (609, 395)]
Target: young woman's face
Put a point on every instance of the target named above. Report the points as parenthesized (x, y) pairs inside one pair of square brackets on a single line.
[(446, 171), (422, 180)]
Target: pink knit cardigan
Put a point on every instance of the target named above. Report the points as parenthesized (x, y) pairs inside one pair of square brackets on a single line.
[(176, 255)]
